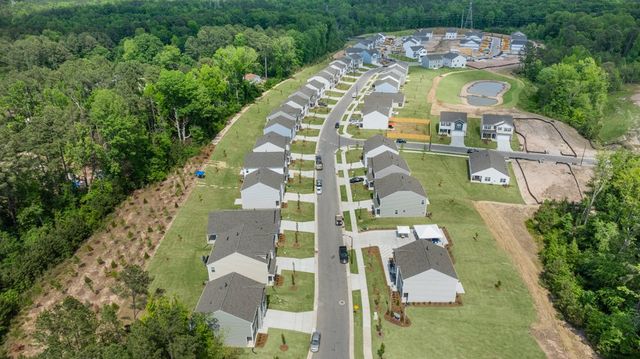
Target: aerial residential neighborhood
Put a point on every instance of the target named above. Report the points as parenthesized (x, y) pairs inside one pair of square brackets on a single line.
[(319, 179)]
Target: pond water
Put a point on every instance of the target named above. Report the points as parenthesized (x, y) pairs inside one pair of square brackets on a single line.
[(486, 88), (481, 101)]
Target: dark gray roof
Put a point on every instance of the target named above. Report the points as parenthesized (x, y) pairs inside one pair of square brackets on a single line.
[(264, 176), (257, 246), (433, 57), (448, 116), (234, 294), (371, 106), (397, 182), (518, 35), (373, 52), (248, 221), (297, 99), (422, 255), (305, 91), (450, 55), (377, 141), (482, 160), (355, 56), (265, 159), (331, 71), (519, 42), (473, 33), (290, 110), (327, 76), (316, 84), (385, 160), (339, 64), (353, 50), (274, 138), (412, 39), (281, 120), (492, 119), (416, 48), (386, 97)]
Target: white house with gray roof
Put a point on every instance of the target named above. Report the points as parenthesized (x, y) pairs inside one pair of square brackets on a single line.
[(493, 127), (451, 34), (452, 123), (298, 101), (488, 167), (422, 272), (399, 195), (275, 161), (376, 114), (416, 52), (282, 126), (317, 86), (388, 85), (285, 110), (454, 60), (518, 42), (261, 189), (432, 62), (248, 221), (239, 305), (395, 72), (376, 145), (310, 94), (272, 142), (383, 165)]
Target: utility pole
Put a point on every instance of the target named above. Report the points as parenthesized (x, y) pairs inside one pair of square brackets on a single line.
[(469, 20), (265, 67)]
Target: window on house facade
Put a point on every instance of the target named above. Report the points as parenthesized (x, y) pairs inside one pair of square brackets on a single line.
[(396, 211), (503, 180), (487, 179), (213, 269), (476, 178)]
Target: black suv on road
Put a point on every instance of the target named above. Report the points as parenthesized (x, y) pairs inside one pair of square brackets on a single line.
[(344, 255)]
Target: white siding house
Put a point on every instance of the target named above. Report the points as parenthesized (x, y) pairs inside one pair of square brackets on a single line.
[(399, 195), (451, 34), (376, 145), (388, 85), (488, 167), (262, 189), (452, 123), (454, 60), (281, 126)]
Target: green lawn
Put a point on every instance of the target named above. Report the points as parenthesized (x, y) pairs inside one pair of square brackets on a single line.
[(359, 192), (298, 211), (494, 323), (297, 342), (620, 114), (298, 298), (343, 86), (357, 172), (402, 58), (301, 184), (338, 156), (343, 193), (347, 221), (320, 110), (357, 324), (304, 248), (473, 136), (354, 155), (177, 265), (333, 94), (450, 86), (330, 101), (416, 91), (303, 147), (309, 132), (302, 165), (359, 133), (353, 261), (312, 120)]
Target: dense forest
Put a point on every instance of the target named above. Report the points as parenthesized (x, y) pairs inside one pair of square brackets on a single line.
[(98, 98), (591, 256)]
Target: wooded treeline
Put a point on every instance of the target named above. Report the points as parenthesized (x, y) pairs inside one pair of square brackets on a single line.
[(591, 257), (99, 99)]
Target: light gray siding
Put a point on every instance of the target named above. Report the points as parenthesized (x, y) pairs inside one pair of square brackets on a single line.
[(261, 196), (402, 204), (430, 286), (234, 330)]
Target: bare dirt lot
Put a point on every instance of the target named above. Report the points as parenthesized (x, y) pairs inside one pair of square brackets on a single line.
[(551, 181), (506, 222), (540, 136)]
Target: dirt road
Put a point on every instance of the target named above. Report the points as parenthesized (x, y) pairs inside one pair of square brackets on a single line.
[(506, 222)]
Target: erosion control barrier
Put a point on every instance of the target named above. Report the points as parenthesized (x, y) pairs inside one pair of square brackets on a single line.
[(574, 177), (526, 183)]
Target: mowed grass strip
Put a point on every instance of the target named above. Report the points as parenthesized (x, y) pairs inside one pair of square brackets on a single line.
[(303, 247), (300, 184), (303, 147), (294, 295), (357, 324), (298, 211), (297, 343), (493, 322), (177, 265), (312, 120), (360, 193), (353, 155), (302, 165)]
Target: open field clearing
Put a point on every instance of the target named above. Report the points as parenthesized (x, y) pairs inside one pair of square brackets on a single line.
[(552, 181)]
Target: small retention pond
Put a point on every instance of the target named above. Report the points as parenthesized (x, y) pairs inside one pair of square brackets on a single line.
[(485, 93)]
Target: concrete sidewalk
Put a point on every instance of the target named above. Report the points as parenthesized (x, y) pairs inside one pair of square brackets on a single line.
[(367, 204), (305, 157), (304, 197), (306, 138), (301, 264), (300, 226), (366, 310), (315, 127), (309, 174), (279, 319), (351, 166)]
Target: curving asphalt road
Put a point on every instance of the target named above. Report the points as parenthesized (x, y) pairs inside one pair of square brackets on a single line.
[(333, 297)]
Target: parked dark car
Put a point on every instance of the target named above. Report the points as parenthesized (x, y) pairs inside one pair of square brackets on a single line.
[(356, 179), (471, 150), (401, 140), (322, 104), (344, 255), (337, 125)]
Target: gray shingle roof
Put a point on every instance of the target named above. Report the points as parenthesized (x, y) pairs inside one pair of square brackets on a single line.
[(492, 119), (519, 42), (434, 58), (518, 35), (248, 221), (449, 116), (331, 71), (234, 294), (274, 138), (353, 50), (450, 55), (281, 120), (397, 182), (395, 83), (422, 255), (307, 92), (290, 110), (264, 176), (338, 64), (379, 104), (355, 56), (298, 99), (416, 48), (265, 159), (377, 141), (256, 246), (316, 84), (385, 160), (482, 160), (385, 97)]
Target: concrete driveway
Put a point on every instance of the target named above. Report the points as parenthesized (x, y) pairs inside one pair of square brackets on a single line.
[(504, 143), (279, 319), (307, 265), (457, 138)]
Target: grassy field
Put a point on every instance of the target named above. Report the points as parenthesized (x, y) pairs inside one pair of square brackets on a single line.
[(473, 138), (309, 132), (333, 93), (298, 211), (357, 172), (357, 325), (301, 184), (297, 342), (312, 120), (353, 261), (416, 91), (620, 114), (347, 221), (354, 155), (359, 192), (177, 265), (359, 133), (450, 86), (292, 298), (303, 147), (494, 323), (302, 165), (343, 193), (343, 86), (305, 246)]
